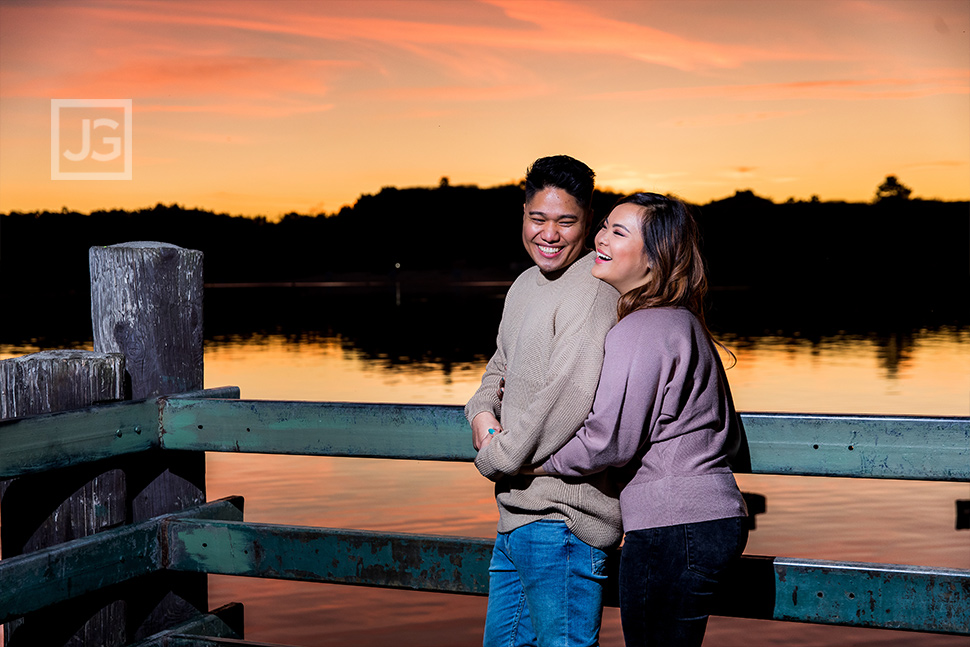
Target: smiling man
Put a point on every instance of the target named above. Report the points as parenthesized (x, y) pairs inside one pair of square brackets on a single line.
[(548, 567)]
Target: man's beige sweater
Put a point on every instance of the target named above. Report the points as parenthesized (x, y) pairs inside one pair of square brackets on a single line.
[(550, 351)]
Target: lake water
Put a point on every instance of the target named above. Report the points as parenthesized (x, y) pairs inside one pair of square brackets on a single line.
[(420, 353)]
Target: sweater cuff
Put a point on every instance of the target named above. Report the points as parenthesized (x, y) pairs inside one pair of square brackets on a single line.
[(485, 466), (548, 468), (478, 405)]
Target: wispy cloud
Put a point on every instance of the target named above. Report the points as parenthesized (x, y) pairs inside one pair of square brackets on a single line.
[(248, 109), (953, 82), (562, 26), (461, 93), (254, 77)]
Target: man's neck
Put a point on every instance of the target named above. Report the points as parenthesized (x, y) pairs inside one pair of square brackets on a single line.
[(552, 276)]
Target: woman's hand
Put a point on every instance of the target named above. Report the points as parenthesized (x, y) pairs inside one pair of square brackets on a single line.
[(484, 426)]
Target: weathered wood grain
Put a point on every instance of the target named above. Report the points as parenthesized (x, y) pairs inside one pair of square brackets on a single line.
[(146, 303), (39, 511)]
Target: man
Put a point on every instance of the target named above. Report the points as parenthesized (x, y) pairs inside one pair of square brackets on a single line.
[(548, 567)]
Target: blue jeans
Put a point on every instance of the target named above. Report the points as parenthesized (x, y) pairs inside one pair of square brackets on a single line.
[(545, 588), (668, 577)]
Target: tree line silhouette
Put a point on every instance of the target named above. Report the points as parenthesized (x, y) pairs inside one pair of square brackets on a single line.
[(893, 257)]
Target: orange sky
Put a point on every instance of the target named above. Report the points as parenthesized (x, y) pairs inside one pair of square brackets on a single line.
[(270, 107)]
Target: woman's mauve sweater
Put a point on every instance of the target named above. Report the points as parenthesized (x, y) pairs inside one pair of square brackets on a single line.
[(664, 410)]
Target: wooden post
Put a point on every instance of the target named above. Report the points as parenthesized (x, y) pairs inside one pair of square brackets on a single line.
[(42, 510), (146, 303)]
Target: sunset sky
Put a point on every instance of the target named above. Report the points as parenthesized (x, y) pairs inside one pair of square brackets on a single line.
[(263, 108)]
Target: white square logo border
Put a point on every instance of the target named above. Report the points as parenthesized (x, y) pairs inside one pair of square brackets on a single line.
[(56, 172)]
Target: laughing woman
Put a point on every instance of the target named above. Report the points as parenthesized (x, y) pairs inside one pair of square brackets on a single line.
[(663, 414)]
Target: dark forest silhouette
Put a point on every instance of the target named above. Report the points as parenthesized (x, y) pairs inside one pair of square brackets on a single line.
[(895, 259)]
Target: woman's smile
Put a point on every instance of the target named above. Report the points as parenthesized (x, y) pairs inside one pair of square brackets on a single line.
[(620, 257)]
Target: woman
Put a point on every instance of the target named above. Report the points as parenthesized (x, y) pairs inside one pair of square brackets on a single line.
[(663, 414)]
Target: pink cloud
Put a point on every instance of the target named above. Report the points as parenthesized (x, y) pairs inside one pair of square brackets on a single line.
[(954, 82), (242, 109), (195, 76), (563, 26), (463, 94), (277, 58), (548, 26)]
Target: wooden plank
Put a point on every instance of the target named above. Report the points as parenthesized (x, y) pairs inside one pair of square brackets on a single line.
[(39, 511), (896, 447), (902, 447), (146, 303), (65, 571), (50, 441), (58, 380), (858, 594), (39, 443), (388, 560), (206, 641), (899, 447), (73, 569), (407, 431), (885, 596), (224, 623)]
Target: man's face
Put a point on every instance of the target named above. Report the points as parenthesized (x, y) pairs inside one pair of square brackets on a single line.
[(553, 228)]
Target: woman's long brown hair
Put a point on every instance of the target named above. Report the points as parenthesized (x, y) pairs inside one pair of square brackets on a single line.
[(671, 241)]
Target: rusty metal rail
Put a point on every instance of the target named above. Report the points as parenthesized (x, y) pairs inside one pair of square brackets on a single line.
[(214, 539), (897, 447)]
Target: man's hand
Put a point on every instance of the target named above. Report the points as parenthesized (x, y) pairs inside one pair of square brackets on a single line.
[(480, 428)]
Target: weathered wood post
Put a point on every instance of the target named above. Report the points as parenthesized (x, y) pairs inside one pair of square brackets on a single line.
[(42, 510), (146, 303)]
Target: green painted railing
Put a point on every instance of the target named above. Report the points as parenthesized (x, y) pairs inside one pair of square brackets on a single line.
[(214, 539)]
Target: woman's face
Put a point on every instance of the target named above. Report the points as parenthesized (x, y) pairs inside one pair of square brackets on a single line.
[(620, 259)]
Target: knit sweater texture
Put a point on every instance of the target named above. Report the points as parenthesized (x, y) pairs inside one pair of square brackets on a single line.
[(549, 350), (663, 409)]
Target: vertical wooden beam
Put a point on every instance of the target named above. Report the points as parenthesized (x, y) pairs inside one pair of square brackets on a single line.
[(146, 303), (42, 510)]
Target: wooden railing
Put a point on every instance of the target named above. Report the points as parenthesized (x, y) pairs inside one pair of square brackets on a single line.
[(213, 538), (133, 573)]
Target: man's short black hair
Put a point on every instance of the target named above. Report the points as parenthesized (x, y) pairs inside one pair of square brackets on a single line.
[(562, 172)]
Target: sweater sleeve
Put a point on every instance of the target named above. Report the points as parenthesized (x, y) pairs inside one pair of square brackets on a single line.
[(486, 397), (628, 401), (563, 402)]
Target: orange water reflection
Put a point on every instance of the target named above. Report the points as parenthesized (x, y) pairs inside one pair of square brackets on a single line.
[(852, 519)]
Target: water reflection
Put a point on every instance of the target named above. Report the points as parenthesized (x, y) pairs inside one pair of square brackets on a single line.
[(311, 345), (841, 374), (861, 520)]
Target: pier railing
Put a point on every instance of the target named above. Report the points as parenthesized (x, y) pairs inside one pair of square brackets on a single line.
[(72, 579), (213, 538)]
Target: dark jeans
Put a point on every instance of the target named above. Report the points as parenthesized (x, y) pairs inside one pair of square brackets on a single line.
[(668, 577)]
